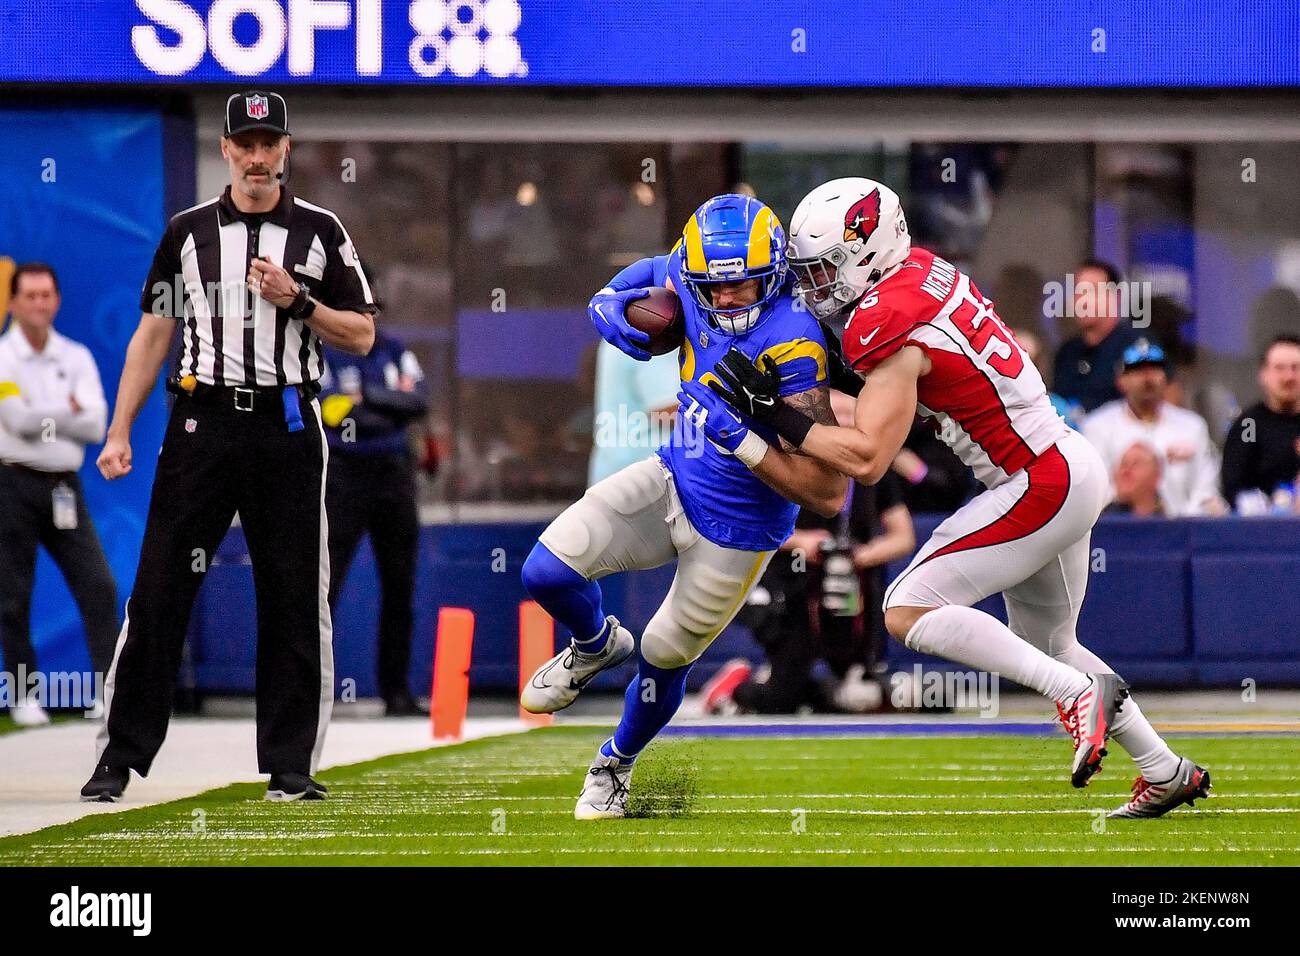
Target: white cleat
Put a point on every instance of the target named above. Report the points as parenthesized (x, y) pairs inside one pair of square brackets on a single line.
[(27, 713), (1088, 719), (604, 793), (1189, 784), (558, 682)]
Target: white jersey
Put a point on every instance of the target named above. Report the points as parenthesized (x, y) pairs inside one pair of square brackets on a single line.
[(984, 395), (1189, 479)]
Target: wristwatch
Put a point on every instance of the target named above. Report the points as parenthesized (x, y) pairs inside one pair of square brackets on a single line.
[(303, 305)]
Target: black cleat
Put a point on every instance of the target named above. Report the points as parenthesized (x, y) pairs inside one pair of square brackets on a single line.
[(106, 784), (402, 704), (294, 786)]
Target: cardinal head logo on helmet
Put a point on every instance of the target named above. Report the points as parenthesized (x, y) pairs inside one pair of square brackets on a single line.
[(863, 217)]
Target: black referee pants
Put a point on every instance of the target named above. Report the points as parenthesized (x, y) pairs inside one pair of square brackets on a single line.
[(26, 520), (216, 461), (375, 494)]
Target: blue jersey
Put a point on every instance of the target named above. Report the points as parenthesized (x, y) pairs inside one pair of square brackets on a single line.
[(723, 499)]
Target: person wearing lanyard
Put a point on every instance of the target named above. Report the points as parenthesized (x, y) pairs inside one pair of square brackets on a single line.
[(367, 405), (51, 406), (256, 279)]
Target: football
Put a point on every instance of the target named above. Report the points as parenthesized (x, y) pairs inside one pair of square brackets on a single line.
[(659, 315)]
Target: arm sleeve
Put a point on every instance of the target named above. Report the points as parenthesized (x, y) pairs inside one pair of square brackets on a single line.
[(889, 332), (1235, 473), (88, 425), (402, 407), (19, 418), (164, 289), (346, 287), (1207, 472), (657, 381)]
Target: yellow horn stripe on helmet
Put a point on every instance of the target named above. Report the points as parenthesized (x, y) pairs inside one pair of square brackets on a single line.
[(694, 242), (760, 238)]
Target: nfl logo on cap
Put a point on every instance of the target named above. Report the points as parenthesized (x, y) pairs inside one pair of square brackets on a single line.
[(257, 107)]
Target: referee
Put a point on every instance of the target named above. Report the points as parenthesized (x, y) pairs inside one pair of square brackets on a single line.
[(256, 279)]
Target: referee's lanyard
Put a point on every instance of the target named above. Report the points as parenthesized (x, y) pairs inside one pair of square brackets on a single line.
[(289, 394)]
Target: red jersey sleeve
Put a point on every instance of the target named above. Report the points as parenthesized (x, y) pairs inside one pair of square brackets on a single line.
[(875, 333)]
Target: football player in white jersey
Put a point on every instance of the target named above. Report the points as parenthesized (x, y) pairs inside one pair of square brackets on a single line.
[(929, 343)]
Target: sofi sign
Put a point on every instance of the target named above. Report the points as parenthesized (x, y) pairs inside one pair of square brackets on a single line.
[(248, 37), (651, 43)]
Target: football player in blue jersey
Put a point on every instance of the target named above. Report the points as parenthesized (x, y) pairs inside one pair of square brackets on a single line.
[(719, 498)]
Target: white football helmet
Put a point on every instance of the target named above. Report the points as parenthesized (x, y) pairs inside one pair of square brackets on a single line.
[(845, 236)]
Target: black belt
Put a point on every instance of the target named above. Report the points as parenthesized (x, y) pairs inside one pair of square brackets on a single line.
[(256, 398), (38, 473)]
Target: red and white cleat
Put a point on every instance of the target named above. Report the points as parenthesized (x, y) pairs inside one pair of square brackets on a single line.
[(1189, 784), (716, 694), (1088, 720)]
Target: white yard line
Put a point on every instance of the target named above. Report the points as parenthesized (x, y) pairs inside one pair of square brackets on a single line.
[(455, 798), (786, 811), (44, 768), (764, 851)]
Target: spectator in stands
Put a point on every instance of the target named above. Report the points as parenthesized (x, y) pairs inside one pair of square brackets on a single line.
[(1192, 384), (1085, 364), (820, 600), (367, 404), (1189, 480), (1263, 449), (1137, 482), (52, 406), (636, 403)]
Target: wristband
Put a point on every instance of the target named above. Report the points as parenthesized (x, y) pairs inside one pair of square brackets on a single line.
[(751, 450), (303, 304), (790, 423)]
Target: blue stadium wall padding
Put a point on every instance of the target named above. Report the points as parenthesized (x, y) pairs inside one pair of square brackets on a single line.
[(97, 223), (1239, 601), (1181, 603)]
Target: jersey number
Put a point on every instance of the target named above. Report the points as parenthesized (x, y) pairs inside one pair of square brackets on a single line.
[(990, 327)]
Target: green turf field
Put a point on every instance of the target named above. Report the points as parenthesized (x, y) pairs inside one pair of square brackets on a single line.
[(928, 801)]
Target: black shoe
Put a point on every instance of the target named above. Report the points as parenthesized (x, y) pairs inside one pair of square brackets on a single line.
[(402, 705), (294, 786), (105, 784)]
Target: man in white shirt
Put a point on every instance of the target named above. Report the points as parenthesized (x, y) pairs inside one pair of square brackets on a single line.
[(51, 406), (635, 405), (1189, 484)]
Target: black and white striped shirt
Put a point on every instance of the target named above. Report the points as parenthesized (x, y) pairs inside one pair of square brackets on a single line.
[(232, 336)]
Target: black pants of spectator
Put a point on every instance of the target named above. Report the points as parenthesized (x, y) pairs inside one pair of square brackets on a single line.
[(795, 635), (375, 495), (26, 520), (217, 460)]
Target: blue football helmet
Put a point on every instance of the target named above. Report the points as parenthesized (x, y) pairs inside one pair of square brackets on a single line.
[(732, 238)]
